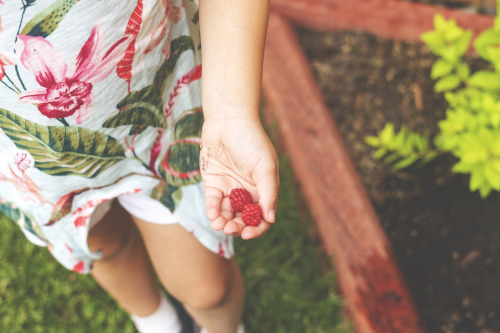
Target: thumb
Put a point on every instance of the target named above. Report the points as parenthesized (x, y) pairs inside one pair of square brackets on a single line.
[(267, 182)]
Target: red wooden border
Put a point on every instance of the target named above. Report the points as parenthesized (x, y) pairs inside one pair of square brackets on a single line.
[(376, 294), (401, 20)]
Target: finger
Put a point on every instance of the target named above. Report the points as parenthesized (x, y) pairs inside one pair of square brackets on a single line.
[(255, 232), (234, 227), (267, 181), (226, 213), (213, 200), (219, 223), (226, 210)]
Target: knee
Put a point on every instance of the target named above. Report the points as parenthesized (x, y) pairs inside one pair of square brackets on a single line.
[(210, 297), (111, 234), (210, 294)]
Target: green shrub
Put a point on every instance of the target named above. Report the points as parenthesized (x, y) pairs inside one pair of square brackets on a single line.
[(471, 129)]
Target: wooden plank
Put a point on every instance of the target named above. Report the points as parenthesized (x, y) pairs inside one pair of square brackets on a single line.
[(473, 3), (400, 20), (377, 296)]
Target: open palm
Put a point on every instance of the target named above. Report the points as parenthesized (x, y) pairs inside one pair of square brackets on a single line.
[(236, 153)]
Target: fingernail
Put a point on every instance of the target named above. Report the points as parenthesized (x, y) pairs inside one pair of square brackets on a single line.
[(271, 215)]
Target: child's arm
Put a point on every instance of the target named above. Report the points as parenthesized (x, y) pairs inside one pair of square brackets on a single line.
[(235, 152)]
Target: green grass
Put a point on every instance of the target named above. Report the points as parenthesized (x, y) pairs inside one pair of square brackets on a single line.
[(287, 287)]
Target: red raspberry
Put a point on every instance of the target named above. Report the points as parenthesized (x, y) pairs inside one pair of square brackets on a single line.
[(239, 197), (252, 213)]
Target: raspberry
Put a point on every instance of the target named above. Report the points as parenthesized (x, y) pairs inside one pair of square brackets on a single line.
[(252, 214), (239, 197)]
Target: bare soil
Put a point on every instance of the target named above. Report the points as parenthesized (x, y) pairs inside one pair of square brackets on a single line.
[(446, 239)]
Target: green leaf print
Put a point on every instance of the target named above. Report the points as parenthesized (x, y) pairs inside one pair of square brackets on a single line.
[(168, 195), (189, 124), (144, 108), (63, 206), (10, 211), (136, 129), (141, 109), (16, 215), (177, 47), (46, 21), (63, 150), (181, 163), (196, 17)]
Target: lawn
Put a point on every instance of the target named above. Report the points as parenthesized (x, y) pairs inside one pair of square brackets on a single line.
[(289, 286)]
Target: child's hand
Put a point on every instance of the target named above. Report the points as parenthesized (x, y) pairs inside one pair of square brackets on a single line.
[(236, 153)]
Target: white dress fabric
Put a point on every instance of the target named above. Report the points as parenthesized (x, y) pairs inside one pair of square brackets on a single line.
[(99, 98)]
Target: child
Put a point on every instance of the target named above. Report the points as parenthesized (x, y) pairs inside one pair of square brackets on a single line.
[(102, 100)]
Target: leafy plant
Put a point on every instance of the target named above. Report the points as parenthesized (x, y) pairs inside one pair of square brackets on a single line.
[(471, 129)]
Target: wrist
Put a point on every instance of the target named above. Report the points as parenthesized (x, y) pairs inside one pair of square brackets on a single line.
[(223, 113)]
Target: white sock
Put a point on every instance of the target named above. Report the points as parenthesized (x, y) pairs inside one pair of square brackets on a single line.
[(240, 329), (163, 320)]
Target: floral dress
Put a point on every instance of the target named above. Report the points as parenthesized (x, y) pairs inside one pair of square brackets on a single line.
[(99, 98)]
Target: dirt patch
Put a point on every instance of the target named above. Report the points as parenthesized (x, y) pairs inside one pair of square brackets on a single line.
[(446, 239)]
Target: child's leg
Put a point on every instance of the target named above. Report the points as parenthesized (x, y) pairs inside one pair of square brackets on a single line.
[(125, 272), (210, 286)]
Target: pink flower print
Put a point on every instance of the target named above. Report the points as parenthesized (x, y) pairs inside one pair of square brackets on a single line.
[(23, 160), (221, 250), (67, 88), (79, 267), (90, 204), (24, 185), (68, 248), (64, 99), (4, 61), (81, 221), (173, 10), (155, 150), (63, 206)]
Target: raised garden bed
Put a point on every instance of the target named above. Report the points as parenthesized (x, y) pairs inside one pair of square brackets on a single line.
[(369, 278), (446, 239)]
